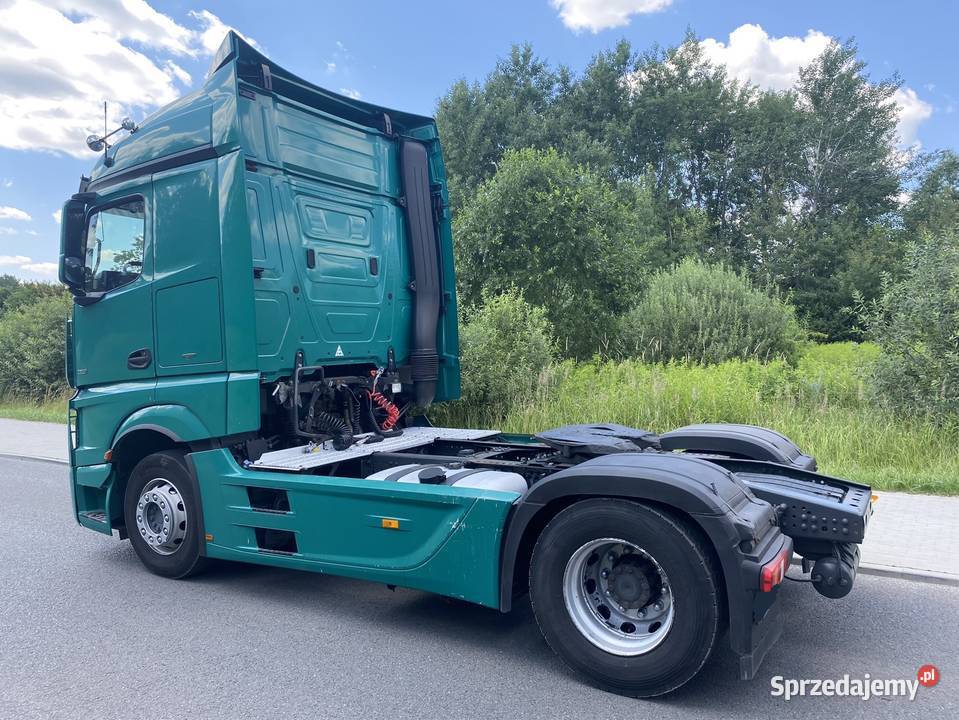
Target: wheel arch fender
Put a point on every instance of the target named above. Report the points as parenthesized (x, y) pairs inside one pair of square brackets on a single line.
[(711, 498), (146, 431)]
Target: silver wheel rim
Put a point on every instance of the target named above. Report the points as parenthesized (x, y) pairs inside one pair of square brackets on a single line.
[(618, 597), (161, 516)]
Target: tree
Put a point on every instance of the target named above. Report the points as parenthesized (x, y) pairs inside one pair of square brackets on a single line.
[(571, 242), (478, 123), (32, 348), (504, 347), (916, 323), (848, 140), (799, 188), (934, 205), (16, 293), (848, 183)]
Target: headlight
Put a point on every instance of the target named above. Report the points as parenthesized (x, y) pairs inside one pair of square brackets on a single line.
[(73, 422)]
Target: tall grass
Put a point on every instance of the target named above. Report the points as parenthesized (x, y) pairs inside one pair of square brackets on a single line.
[(51, 409), (821, 403)]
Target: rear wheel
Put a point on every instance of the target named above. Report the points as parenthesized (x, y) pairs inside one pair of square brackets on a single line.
[(162, 514), (626, 595)]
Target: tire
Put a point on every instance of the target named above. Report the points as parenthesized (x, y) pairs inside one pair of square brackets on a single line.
[(642, 659), (169, 547)]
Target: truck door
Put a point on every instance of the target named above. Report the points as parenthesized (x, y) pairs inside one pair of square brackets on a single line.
[(272, 303), (114, 333), (187, 292)]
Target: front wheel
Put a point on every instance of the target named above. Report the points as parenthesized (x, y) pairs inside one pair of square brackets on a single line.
[(162, 515), (626, 595)]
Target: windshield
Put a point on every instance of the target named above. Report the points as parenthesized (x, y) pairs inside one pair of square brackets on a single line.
[(114, 246)]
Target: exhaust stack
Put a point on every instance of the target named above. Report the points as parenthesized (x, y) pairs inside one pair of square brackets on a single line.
[(424, 251)]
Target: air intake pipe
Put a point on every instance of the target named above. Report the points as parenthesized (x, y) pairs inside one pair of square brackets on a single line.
[(424, 361)]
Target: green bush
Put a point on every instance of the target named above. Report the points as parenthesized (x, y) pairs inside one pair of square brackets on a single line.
[(707, 314), (504, 347), (916, 323), (570, 240), (32, 349)]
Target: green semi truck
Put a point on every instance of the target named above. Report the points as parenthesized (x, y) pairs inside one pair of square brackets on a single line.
[(265, 305)]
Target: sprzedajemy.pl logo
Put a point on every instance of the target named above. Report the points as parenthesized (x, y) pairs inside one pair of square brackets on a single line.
[(864, 687)]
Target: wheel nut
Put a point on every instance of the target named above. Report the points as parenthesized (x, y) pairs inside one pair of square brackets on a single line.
[(605, 573), (143, 532), (658, 606), (166, 518)]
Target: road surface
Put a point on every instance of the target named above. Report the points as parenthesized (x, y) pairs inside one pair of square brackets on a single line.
[(85, 631)]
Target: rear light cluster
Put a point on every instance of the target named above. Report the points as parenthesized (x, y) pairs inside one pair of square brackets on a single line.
[(774, 571)]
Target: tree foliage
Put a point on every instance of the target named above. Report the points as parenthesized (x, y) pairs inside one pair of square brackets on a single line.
[(916, 323), (504, 346), (32, 348), (796, 188), (709, 314), (570, 240)]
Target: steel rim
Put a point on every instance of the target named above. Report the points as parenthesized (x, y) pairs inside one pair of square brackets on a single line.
[(161, 516), (618, 597)]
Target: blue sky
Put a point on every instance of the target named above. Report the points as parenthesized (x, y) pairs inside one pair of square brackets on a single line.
[(59, 59)]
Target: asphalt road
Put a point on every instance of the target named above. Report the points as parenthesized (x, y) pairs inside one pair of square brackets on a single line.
[(85, 631)]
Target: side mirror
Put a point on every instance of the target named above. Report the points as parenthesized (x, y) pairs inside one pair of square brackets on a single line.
[(71, 273), (72, 228)]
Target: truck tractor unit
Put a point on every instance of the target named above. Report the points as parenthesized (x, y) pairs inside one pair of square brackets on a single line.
[(264, 308)]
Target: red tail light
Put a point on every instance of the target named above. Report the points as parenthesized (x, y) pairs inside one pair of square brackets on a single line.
[(774, 571)]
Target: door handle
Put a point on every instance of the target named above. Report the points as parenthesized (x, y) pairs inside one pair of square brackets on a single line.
[(139, 359)]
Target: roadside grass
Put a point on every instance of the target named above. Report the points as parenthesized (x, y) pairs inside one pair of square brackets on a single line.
[(822, 404), (52, 409)]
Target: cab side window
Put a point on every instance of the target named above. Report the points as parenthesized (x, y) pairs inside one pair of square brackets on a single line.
[(114, 246)]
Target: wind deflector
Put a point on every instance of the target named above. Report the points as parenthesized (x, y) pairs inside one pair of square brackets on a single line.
[(414, 165)]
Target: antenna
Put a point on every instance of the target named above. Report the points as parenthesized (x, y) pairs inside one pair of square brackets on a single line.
[(100, 143), (106, 147)]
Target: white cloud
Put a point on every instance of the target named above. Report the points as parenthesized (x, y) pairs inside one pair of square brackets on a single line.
[(913, 111), (62, 58), (18, 260), (41, 268), (751, 55), (212, 30), (132, 20), (8, 231), (29, 265), (57, 214), (331, 67), (7, 183), (175, 71), (596, 15), (12, 213), (351, 93)]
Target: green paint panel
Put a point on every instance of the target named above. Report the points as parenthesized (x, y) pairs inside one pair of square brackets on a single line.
[(199, 340), (93, 476), (102, 410), (448, 539), (242, 403)]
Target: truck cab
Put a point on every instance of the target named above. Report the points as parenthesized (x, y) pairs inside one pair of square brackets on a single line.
[(265, 309)]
